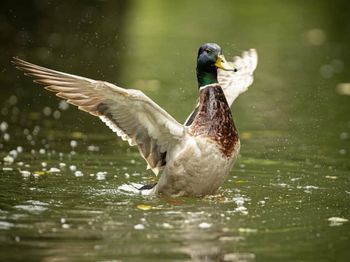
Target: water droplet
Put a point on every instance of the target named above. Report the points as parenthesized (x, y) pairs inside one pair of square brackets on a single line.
[(63, 105), (25, 173), (73, 143), (344, 135), (78, 173), (13, 153), (167, 225), (19, 149), (337, 221), (54, 170), (56, 114), (139, 227), (101, 175), (241, 209), (205, 225), (326, 71), (47, 111), (93, 148), (6, 137), (337, 65), (247, 230), (3, 126), (8, 159), (62, 165), (331, 177), (36, 130), (342, 151), (42, 151), (65, 226)]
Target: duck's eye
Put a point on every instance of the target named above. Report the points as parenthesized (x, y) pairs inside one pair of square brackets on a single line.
[(208, 50)]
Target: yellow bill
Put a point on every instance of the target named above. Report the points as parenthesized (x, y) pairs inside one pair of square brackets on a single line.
[(224, 65)]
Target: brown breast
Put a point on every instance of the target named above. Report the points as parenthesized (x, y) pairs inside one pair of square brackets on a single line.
[(214, 119)]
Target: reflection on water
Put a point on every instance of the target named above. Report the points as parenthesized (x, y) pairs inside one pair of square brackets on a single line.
[(61, 170)]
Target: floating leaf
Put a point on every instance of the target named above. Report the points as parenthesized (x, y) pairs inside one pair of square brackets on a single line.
[(144, 207), (39, 173)]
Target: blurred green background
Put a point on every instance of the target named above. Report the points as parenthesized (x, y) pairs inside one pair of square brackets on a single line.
[(288, 195)]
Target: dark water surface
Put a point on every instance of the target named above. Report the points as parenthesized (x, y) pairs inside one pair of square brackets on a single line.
[(288, 196)]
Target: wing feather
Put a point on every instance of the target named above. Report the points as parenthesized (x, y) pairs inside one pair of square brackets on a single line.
[(235, 83), (129, 113)]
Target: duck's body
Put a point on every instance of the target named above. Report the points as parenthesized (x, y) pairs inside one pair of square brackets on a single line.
[(200, 164), (193, 159)]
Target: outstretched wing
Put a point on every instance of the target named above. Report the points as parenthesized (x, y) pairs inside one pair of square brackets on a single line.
[(234, 83), (129, 113)]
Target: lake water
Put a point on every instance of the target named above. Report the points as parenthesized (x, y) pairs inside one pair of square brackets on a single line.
[(286, 199)]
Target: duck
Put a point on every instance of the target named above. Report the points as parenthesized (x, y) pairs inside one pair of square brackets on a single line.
[(191, 159)]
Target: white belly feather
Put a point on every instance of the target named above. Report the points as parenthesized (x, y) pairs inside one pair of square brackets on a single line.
[(195, 167)]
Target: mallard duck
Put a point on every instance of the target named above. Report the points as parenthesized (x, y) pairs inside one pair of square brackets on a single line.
[(194, 158)]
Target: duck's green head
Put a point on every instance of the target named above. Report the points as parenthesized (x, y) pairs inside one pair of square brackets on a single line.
[(209, 59)]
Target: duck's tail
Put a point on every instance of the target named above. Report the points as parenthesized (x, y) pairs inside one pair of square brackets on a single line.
[(134, 188)]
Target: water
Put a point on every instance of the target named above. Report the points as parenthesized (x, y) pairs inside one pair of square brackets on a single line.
[(287, 197)]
